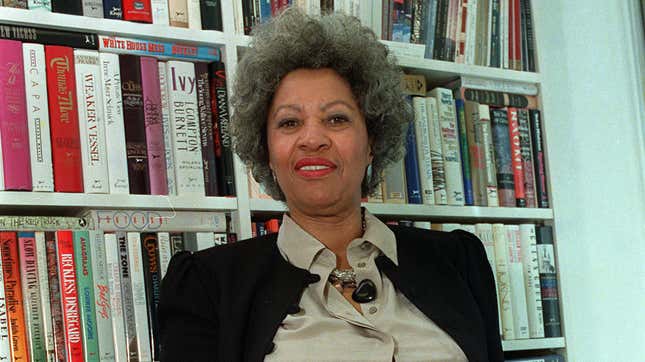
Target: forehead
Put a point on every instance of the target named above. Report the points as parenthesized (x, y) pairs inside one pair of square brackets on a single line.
[(302, 85)]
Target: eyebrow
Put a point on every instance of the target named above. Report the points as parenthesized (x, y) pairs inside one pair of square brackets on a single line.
[(323, 107)]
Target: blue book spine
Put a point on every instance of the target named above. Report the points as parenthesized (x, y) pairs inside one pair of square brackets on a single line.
[(265, 10), (112, 9), (431, 20), (121, 45), (465, 155), (412, 177)]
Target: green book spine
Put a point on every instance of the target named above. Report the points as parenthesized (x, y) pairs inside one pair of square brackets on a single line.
[(85, 280)]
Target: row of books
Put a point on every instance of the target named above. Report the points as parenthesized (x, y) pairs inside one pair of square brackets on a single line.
[(98, 122), (82, 294), (193, 14)]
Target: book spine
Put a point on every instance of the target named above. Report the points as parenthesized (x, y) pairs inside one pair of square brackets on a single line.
[(436, 152), (14, 132), (211, 11), (159, 9), (422, 135), (475, 152), (55, 297), (467, 174), (165, 252), (462, 24), (5, 341), (69, 295), (517, 35), (532, 280), (114, 124), (185, 128), (112, 9), (499, 99), (502, 147), (141, 220), (471, 32), (113, 266), (42, 172), (430, 24), (93, 8), (516, 157), (548, 281), (167, 131), (63, 114), (485, 233), (43, 289), (127, 299), (451, 30), (440, 29), (101, 296), (42, 5), (176, 243), (31, 295), (503, 281), (504, 33), (530, 52), (223, 142), (150, 251), (137, 10), (91, 123), (417, 22), (178, 12), (516, 277), (535, 122), (72, 7), (527, 157), (495, 43), (206, 129), (206, 240), (28, 223), (139, 296), (85, 285), (154, 128), (134, 122), (450, 146), (413, 184), (488, 149), (394, 184), (194, 14)]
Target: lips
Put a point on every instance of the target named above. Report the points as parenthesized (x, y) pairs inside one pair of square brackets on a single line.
[(314, 167)]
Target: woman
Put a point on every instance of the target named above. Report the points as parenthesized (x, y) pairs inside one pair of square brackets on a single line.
[(318, 114)]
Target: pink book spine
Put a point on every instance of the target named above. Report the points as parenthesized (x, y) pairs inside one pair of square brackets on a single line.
[(14, 132), (154, 126)]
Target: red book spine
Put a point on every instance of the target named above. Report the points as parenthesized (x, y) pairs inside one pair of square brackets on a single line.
[(516, 157), (137, 10), (14, 134), (54, 296), (13, 296), (63, 118), (69, 295)]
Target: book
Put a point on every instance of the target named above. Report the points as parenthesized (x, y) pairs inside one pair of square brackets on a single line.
[(178, 13), (154, 220), (5, 341), (436, 152), (72, 7), (394, 185), (91, 122), (42, 5), (31, 295), (467, 174), (496, 86), (184, 123), (475, 153), (102, 302), (150, 251), (411, 165), (516, 157), (155, 146), (159, 49), (531, 280), (44, 289), (112, 9), (430, 31), (30, 223), (517, 286), (130, 329), (541, 192), (530, 51), (194, 14), (159, 10), (14, 133), (167, 131), (548, 281), (496, 39), (542, 358), (55, 300), (134, 122), (140, 305), (500, 240), (496, 99), (211, 11), (137, 10), (502, 147), (63, 118), (42, 172), (69, 295), (223, 142), (206, 129), (484, 232), (85, 286), (113, 266), (424, 156), (114, 124), (488, 149), (527, 157), (92, 8), (165, 252)]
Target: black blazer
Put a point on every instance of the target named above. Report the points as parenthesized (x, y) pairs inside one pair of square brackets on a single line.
[(226, 303)]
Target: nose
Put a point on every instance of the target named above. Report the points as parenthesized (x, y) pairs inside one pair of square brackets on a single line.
[(314, 136)]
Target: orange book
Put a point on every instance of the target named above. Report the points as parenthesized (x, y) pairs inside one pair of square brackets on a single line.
[(13, 296)]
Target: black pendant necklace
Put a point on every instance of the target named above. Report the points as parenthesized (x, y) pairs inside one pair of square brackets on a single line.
[(365, 292)]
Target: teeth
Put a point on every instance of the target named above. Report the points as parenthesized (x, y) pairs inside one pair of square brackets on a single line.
[(314, 168)]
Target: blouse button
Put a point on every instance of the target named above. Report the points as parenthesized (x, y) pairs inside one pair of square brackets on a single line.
[(372, 310), (361, 265)]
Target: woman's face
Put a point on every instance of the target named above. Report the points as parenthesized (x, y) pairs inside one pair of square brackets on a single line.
[(317, 140)]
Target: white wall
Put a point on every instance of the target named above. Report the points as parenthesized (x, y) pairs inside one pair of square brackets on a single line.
[(593, 106)]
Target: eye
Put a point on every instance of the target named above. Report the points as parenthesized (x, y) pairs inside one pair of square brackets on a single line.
[(288, 123), (338, 119)]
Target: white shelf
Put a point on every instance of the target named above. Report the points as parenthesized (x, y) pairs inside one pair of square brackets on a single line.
[(471, 213), (531, 344), (29, 201)]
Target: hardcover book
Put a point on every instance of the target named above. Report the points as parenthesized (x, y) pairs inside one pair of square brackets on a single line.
[(221, 133), (113, 266), (516, 277), (139, 296), (69, 295), (502, 148), (131, 343), (85, 287), (516, 157), (535, 122), (206, 129), (42, 5), (211, 11), (161, 49), (44, 290), (102, 301), (167, 131), (55, 300), (413, 184), (488, 149), (194, 14), (112, 9), (475, 153), (500, 241), (548, 281), (160, 15), (178, 12), (532, 280), (73, 7), (485, 233), (422, 134), (394, 184), (436, 152), (153, 220), (466, 172), (137, 10), (165, 252), (150, 250), (92, 8), (5, 341), (527, 157), (31, 295)]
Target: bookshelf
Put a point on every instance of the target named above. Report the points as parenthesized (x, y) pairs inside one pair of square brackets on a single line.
[(242, 207)]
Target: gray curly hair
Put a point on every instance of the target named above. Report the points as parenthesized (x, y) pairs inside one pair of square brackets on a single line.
[(295, 40)]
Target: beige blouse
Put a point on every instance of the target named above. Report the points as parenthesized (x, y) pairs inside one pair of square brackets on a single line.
[(329, 328)]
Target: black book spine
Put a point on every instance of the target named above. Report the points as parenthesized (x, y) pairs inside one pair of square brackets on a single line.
[(495, 44), (49, 36), (548, 281), (440, 30), (206, 129), (211, 11), (530, 53), (523, 35), (223, 145), (493, 98), (112, 9), (541, 194), (176, 243), (74, 7), (418, 22), (134, 122), (152, 279), (247, 15)]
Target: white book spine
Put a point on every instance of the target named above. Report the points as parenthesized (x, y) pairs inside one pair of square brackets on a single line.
[(365, 12), (114, 124), (422, 225), (516, 276), (485, 233), (139, 297), (42, 5), (450, 146), (45, 306), (503, 281), (313, 7), (90, 117), (436, 153), (532, 280), (194, 15), (377, 15), (42, 172), (395, 189), (498, 85), (112, 263), (423, 149), (503, 16), (155, 221), (5, 347), (489, 38), (484, 128), (220, 238), (160, 13), (471, 32), (167, 131), (102, 296), (93, 8), (165, 253), (205, 240), (184, 123)]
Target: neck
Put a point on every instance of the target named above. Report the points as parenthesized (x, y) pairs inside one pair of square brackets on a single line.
[(334, 231)]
